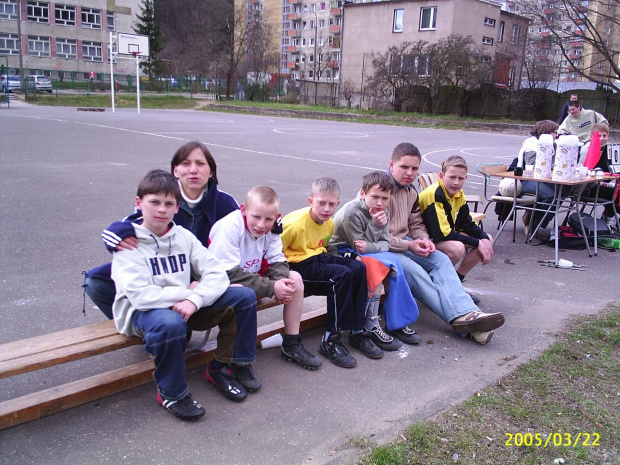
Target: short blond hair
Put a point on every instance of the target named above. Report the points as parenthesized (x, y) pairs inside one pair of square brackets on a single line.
[(262, 194), (454, 160), (325, 185), (600, 127)]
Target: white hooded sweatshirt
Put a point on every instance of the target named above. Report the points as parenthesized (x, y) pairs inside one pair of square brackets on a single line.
[(157, 274)]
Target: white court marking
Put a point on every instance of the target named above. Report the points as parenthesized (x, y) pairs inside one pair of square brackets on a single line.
[(320, 132)]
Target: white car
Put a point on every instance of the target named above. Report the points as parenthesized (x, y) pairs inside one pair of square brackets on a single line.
[(38, 83), (9, 83)]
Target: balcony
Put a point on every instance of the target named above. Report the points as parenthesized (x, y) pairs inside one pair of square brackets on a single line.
[(337, 11), (293, 33), (576, 44), (335, 29), (294, 16), (548, 11), (574, 56), (291, 64), (334, 64), (294, 2), (292, 49)]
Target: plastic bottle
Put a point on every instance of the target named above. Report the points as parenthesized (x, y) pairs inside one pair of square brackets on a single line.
[(609, 242)]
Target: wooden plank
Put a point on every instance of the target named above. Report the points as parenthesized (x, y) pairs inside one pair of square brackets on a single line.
[(61, 355), (64, 338), (49, 401)]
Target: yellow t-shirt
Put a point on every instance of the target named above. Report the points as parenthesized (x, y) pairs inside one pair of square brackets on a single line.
[(302, 237)]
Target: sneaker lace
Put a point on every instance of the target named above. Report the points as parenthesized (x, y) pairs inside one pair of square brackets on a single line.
[(408, 330), (378, 330)]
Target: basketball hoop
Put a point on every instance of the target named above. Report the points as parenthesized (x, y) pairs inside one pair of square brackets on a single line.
[(135, 54)]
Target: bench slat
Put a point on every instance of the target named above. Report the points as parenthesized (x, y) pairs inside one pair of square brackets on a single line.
[(53, 400), (15, 349), (58, 356)]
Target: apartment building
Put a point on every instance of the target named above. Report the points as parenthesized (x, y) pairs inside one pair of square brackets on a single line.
[(58, 39), (374, 27), (573, 20)]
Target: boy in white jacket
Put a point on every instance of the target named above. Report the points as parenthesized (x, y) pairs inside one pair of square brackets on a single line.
[(159, 298), (250, 248)]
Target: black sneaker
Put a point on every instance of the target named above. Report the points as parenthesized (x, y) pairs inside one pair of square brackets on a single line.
[(406, 335), (297, 353), (245, 375), (383, 340), (224, 380), (185, 409), (363, 343), (336, 352)]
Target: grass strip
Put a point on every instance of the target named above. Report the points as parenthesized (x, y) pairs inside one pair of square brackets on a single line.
[(560, 408)]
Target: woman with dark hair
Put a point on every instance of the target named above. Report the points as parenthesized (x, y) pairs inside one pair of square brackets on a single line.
[(202, 204), (527, 156)]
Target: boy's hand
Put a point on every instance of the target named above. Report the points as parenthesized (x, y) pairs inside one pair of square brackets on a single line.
[(283, 290), (185, 308), (360, 245), (422, 247), (128, 243), (378, 217), (485, 250)]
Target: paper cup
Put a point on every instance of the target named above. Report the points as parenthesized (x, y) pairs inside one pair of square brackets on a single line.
[(565, 263), (529, 170), (271, 342)]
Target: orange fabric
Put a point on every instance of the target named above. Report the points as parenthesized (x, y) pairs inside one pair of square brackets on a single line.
[(375, 273)]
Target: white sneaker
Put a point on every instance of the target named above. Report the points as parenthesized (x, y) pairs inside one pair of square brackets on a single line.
[(482, 337), (611, 222)]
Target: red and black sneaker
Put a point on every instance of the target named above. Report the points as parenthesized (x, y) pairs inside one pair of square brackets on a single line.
[(185, 409), (225, 381)]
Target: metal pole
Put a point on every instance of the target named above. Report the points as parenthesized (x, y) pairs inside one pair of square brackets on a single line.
[(21, 51), (316, 84), (112, 72), (138, 80)]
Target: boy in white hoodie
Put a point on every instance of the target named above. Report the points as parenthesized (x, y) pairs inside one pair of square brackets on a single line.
[(158, 299), (249, 245)]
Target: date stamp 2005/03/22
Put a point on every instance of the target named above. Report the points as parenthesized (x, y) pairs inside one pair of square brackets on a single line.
[(552, 439)]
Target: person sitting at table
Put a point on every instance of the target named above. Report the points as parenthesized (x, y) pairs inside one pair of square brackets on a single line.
[(527, 156), (606, 190)]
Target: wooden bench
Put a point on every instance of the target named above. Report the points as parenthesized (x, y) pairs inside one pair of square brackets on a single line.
[(85, 341)]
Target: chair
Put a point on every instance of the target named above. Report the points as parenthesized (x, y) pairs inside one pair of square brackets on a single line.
[(487, 169), (426, 179)]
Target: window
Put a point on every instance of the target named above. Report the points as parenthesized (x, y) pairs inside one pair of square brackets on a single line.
[(312, 24), (304, 25), (601, 65), (489, 22), (500, 32), (91, 18), (38, 12), (66, 48), (428, 18), (310, 74), (311, 58), (64, 15), (516, 33), (91, 51), (511, 76), (39, 46), (303, 42), (311, 41), (321, 41), (111, 21), (322, 6), (8, 44), (399, 16), (321, 23), (8, 9), (486, 58), (487, 41), (112, 56)]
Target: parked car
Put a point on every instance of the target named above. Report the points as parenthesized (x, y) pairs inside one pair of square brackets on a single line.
[(9, 82), (38, 83)]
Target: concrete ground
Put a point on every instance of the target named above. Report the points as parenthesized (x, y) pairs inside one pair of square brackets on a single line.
[(66, 174)]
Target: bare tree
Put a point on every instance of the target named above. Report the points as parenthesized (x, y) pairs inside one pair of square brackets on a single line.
[(595, 25), (454, 61)]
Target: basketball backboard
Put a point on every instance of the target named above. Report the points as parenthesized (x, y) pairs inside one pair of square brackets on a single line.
[(133, 44)]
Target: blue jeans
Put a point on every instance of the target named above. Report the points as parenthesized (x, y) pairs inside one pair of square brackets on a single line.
[(164, 332), (101, 292), (545, 194), (433, 280)]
